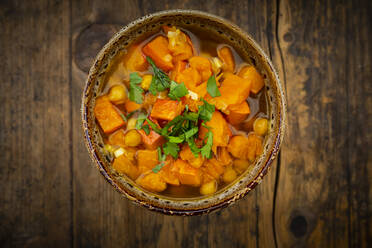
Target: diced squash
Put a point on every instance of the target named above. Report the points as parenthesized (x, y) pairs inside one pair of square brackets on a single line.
[(131, 106), (254, 146), (187, 174), (234, 90), (220, 129), (238, 146), (193, 104), (201, 89), (134, 59), (117, 138), (214, 168), (149, 101), (202, 65), (250, 73), (206, 177), (147, 159), (153, 139), (187, 155), (179, 67), (180, 44), (208, 188), (227, 58), (123, 165), (238, 112), (157, 49), (107, 116), (166, 109), (168, 175), (223, 156), (152, 182), (190, 77)]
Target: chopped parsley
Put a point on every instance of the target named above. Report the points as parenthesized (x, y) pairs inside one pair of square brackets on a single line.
[(176, 91), (135, 91), (160, 81), (212, 87), (206, 111)]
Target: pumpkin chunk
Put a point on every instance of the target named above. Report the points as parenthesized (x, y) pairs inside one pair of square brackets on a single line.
[(158, 51), (187, 174), (123, 165), (107, 116), (238, 113), (166, 109), (152, 181), (250, 73), (134, 60)]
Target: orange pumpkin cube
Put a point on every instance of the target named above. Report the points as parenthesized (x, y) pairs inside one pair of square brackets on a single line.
[(166, 109), (131, 106), (238, 112), (123, 165), (227, 58), (202, 65), (117, 138), (152, 182), (147, 159), (134, 60), (250, 73), (187, 174), (158, 51), (168, 175), (107, 116)]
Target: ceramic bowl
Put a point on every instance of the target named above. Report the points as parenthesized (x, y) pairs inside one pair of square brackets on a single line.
[(228, 33)]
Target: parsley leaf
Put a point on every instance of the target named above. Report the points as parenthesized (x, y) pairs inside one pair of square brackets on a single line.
[(176, 139), (206, 111), (193, 147), (171, 149), (135, 91), (140, 119), (153, 126), (177, 91), (207, 148), (160, 81), (123, 116), (191, 132), (212, 87), (158, 167), (173, 122), (146, 128), (191, 116)]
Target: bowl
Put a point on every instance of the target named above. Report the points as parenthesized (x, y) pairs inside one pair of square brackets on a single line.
[(247, 48)]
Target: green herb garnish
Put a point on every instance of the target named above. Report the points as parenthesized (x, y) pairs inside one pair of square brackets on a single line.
[(171, 149), (176, 91), (207, 148), (206, 111), (160, 81), (146, 128), (153, 126), (135, 91), (212, 87), (140, 119)]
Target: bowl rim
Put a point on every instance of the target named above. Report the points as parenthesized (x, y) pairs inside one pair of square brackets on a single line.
[(278, 139)]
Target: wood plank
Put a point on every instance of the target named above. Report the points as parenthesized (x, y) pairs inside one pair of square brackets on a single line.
[(324, 184), (236, 226), (35, 176)]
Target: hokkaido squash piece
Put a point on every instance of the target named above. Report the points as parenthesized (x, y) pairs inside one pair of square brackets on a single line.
[(214, 168), (227, 58), (168, 175), (158, 51), (201, 89), (238, 112), (152, 182), (117, 138), (179, 44), (206, 177), (187, 155), (202, 65), (166, 109), (193, 104), (190, 77), (151, 140), (147, 159), (187, 174), (238, 146), (123, 165), (254, 146), (179, 67), (131, 106), (107, 116), (134, 59), (220, 129), (250, 73), (223, 156), (234, 90)]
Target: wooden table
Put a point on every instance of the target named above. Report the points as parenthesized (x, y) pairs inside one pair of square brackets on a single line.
[(317, 195)]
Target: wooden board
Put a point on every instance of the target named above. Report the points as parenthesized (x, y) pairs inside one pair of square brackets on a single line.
[(318, 195)]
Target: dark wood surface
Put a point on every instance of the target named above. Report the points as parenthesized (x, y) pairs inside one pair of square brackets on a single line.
[(318, 194)]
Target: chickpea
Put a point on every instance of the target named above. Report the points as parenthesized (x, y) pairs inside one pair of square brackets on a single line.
[(229, 175), (240, 165), (146, 81), (208, 188), (260, 126), (132, 138), (117, 94), (131, 123)]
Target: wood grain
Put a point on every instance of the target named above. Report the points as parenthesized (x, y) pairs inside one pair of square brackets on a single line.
[(324, 184), (35, 142), (318, 195)]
